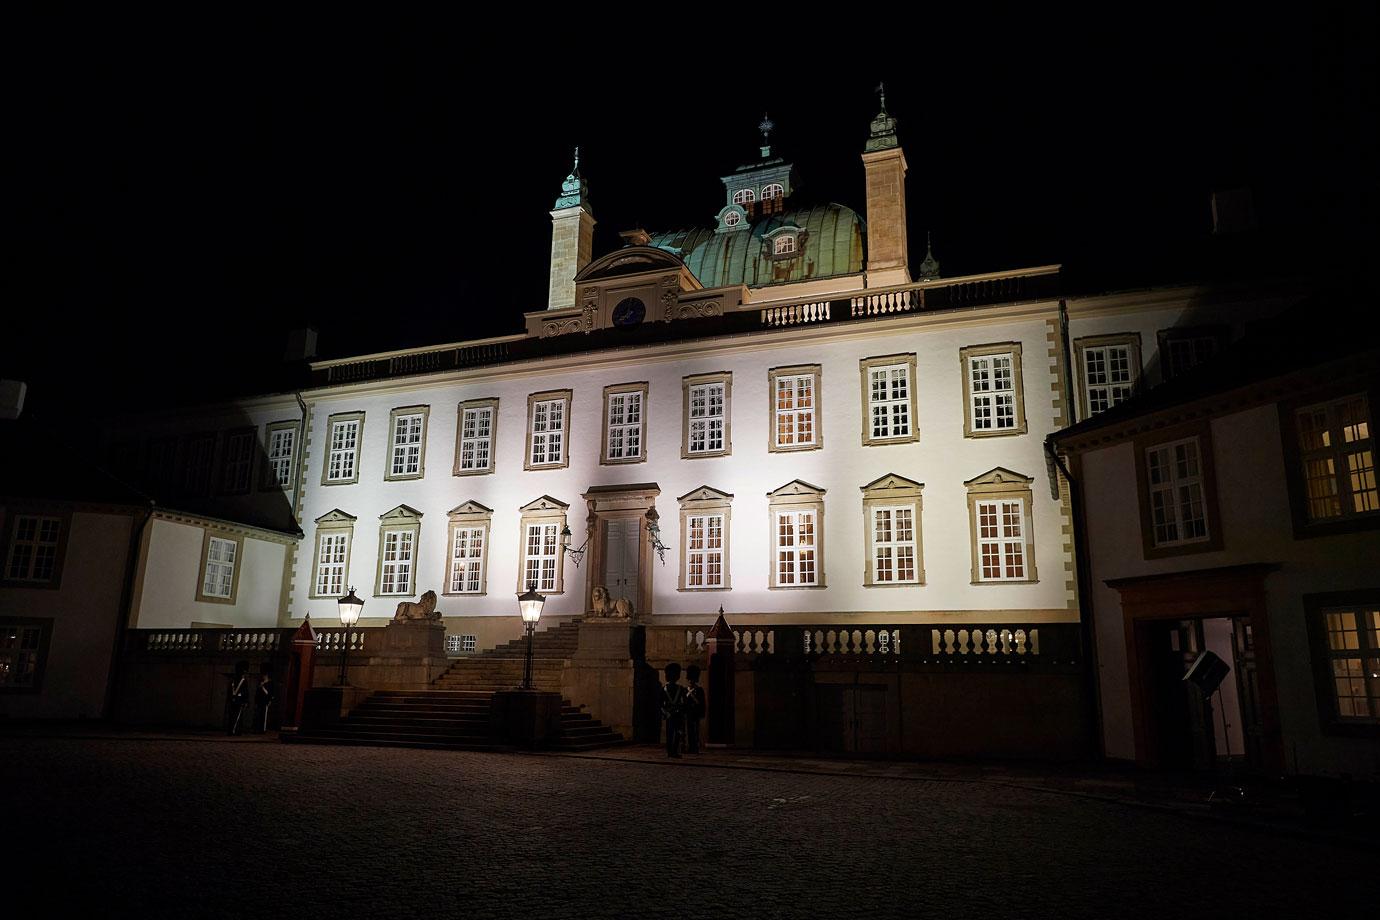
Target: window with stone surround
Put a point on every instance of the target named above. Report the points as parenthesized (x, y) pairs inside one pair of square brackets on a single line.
[(625, 424), (221, 558), (399, 532), (475, 436), (1186, 348), (548, 430), (888, 399), (335, 531), (795, 399), (891, 524), (993, 398), (541, 561), (707, 413), (704, 538), (796, 522), (407, 443), (344, 431), (1337, 458), (467, 549), (1108, 370), (35, 544), (280, 449), (1000, 513)]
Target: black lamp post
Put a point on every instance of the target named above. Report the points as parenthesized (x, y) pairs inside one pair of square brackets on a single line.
[(350, 606), (530, 604)]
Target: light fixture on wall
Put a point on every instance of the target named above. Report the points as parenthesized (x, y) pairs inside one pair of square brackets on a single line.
[(654, 535), (576, 555)]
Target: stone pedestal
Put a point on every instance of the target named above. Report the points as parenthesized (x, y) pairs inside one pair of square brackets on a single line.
[(601, 674), (525, 718), (410, 655)]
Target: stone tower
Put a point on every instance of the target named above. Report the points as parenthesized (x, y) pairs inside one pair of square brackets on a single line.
[(885, 167), (572, 238)]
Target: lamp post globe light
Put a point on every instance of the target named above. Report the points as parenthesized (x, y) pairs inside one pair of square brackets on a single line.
[(530, 605), (350, 607)]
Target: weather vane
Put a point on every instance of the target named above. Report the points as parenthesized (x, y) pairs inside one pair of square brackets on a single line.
[(766, 128)]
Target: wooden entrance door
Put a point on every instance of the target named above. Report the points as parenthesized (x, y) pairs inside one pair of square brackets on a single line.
[(621, 554), (851, 718), (1248, 690)]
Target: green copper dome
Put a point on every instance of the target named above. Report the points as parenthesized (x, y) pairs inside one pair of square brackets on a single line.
[(829, 243)]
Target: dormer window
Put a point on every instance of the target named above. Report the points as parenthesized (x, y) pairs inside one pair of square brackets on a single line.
[(773, 191), (732, 219), (784, 245), (744, 196)]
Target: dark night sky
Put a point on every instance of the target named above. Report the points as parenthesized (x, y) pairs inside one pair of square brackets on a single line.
[(181, 193)]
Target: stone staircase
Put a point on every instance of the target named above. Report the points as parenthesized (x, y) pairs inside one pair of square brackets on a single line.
[(454, 712)]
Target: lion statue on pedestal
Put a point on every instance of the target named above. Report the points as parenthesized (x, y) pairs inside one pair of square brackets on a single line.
[(620, 609), (425, 609)]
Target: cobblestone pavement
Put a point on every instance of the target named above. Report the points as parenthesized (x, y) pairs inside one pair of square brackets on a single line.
[(169, 827)]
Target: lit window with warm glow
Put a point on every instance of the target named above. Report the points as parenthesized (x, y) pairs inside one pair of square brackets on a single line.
[(1337, 452), (1353, 662)]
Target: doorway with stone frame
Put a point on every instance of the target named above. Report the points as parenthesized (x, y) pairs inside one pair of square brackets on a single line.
[(620, 547)]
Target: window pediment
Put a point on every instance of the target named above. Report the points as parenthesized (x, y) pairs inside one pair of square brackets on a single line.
[(999, 479), (545, 503), (705, 496), (336, 516), (892, 486), (468, 508), (795, 488), (403, 514)]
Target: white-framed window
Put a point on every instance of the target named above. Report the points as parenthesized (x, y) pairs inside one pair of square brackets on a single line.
[(894, 545), (744, 196), (704, 551), (1182, 349), (218, 577), (467, 560), (706, 432), (796, 558), (399, 550), (332, 553), (1110, 366), (994, 404), (237, 463), (342, 455), (794, 393), (34, 547), (463, 642), (1003, 540), (783, 245), (625, 423), (407, 444), (888, 399), (399, 533), (335, 532), (1178, 512), (705, 517), (548, 430), (1337, 451), (773, 191), (474, 449), (280, 444), (542, 555), (732, 219)]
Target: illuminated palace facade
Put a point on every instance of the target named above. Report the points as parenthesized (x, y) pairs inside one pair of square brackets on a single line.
[(777, 413)]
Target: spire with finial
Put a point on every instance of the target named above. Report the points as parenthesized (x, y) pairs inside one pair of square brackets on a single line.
[(929, 269), (574, 191), (766, 127), (883, 136)]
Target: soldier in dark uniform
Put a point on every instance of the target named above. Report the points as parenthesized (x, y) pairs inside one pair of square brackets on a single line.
[(264, 695), (673, 709), (239, 698), (694, 709)]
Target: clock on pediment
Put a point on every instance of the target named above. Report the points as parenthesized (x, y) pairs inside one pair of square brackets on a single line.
[(629, 312)]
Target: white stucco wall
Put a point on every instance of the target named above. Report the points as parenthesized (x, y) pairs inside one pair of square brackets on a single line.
[(1256, 527), (84, 609), (942, 459), (171, 568)]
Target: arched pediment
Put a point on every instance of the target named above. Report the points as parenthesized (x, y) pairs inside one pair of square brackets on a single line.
[(630, 260)]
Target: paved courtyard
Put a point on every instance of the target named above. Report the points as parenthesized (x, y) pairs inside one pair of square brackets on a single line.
[(200, 827)]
